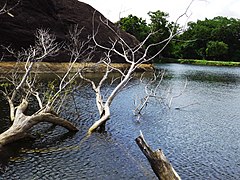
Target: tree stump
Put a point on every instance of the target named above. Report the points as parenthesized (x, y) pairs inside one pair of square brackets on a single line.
[(158, 161)]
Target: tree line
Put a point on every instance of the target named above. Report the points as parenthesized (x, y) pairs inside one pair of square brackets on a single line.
[(210, 39)]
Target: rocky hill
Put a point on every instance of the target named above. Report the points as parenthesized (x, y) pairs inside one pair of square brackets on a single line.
[(19, 26)]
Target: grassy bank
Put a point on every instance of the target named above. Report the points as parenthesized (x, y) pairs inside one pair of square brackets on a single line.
[(201, 62), (46, 67)]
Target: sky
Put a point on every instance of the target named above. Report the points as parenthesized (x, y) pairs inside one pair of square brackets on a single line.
[(199, 9)]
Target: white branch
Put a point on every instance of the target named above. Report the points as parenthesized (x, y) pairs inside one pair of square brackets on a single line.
[(11, 106), (150, 93), (178, 95), (4, 9)]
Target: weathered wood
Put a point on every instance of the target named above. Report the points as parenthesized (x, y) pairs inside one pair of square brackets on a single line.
[(101, 123), (22, 124), (158, 161)]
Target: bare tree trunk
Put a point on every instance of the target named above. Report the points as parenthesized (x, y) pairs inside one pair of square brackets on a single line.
[(22, 124), (26, 87), (20, 127), (101, 123), (158, 161)]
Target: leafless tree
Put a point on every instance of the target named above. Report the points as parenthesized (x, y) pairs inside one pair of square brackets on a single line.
[(131, 56), (154, 91), (20, 88), (151, 92)]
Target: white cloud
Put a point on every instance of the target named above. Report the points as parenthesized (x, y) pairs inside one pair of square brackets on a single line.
[(200, 9)]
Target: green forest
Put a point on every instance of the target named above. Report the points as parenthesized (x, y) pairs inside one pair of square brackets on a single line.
[(215, 39)]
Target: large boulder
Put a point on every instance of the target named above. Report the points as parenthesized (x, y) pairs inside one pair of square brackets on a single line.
[(18, 27)]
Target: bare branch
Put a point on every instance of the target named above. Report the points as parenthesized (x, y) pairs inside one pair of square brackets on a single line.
[(150, 93), (185, 13), (4, 9), (25, 86), (132, 56), (11, 105), (24, 123), (178, 95)]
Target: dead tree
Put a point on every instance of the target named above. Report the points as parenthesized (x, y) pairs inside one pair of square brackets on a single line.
[(131, 56), (21, 87), (158, 161), (150, 92), (153, 91)]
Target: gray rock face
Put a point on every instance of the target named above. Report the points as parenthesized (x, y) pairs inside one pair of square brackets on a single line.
[(56, 15)]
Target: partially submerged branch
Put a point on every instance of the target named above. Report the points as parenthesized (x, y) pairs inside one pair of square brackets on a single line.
[(177, 95), (22, 124), (158, 161), (150, 92), (24, 87), (153, 92)]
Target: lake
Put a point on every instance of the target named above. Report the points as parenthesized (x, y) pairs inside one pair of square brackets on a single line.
[(199, 132)]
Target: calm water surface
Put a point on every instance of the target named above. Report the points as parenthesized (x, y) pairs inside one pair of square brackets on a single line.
[(199, 133)]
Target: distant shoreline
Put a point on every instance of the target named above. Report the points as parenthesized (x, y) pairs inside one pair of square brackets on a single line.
[(201, 62), (50, 67)]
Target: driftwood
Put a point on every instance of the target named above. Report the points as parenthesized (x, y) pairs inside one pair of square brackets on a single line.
[(158, 161)]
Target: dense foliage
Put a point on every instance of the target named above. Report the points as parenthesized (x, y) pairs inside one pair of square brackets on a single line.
[(215, 39), (140, 29)]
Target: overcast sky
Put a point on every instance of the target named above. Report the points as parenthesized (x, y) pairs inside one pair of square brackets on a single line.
[(200, 9)]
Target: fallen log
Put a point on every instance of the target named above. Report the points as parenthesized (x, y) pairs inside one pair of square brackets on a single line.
[(22, 124), (158, 161)]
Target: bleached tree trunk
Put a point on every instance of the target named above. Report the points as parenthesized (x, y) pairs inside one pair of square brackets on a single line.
[(105, 107), (22, 124), (25, 87), (131, 56), (134, 56)]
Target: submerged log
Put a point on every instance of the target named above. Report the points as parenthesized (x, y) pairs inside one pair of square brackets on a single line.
[(158, 161)]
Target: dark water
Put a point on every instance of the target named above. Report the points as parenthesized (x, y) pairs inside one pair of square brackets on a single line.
[(199, 133)]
